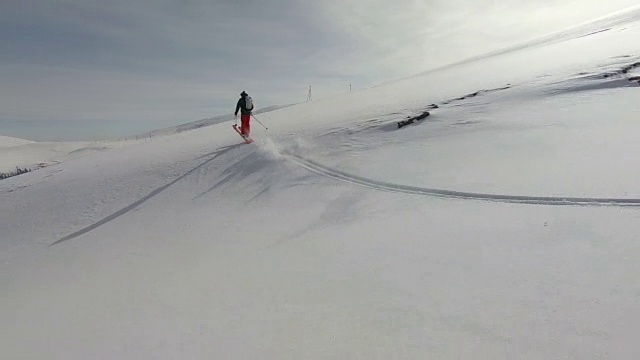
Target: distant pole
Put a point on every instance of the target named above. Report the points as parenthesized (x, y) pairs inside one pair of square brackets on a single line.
[(349, 87), (309, 96)]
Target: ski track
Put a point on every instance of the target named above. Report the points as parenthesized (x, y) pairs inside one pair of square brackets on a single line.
[(399, 188), (155, 192), (377, 185)]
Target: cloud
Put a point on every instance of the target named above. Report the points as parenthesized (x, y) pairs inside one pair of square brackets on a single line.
[(71, 94)]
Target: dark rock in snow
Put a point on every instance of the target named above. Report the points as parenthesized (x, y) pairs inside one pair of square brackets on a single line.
[(412, 119)]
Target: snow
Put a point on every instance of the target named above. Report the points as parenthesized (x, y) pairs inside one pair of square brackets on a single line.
[(35, 155), (325, 239), (6, 141)]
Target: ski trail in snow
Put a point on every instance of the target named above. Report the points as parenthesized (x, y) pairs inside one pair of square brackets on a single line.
[(399, 188), (155, 192)]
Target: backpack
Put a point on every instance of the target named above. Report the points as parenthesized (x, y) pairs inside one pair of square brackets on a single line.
[(248, 102)]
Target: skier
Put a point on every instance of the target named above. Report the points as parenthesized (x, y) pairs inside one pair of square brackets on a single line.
[(245, 105)]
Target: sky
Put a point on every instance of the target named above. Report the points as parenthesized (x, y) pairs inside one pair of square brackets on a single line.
[(178, 61)]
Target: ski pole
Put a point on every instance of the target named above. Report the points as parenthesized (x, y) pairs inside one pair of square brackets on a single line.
[(259, 122)]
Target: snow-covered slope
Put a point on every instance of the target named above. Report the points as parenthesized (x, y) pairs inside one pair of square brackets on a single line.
[(35, 155), (23, 153), (205, 122), (6, 141), (338, 235)]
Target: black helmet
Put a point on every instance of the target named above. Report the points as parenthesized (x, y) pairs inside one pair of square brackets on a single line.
[(243, 93)]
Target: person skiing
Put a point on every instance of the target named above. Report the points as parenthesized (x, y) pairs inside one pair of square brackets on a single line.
[(245, 105)]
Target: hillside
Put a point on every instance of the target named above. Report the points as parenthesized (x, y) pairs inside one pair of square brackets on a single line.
[(503, 225)]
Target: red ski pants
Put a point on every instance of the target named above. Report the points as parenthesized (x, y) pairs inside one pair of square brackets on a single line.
[(245, 127)]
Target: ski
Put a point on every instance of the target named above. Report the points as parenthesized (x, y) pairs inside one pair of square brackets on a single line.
[(247, 139)]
